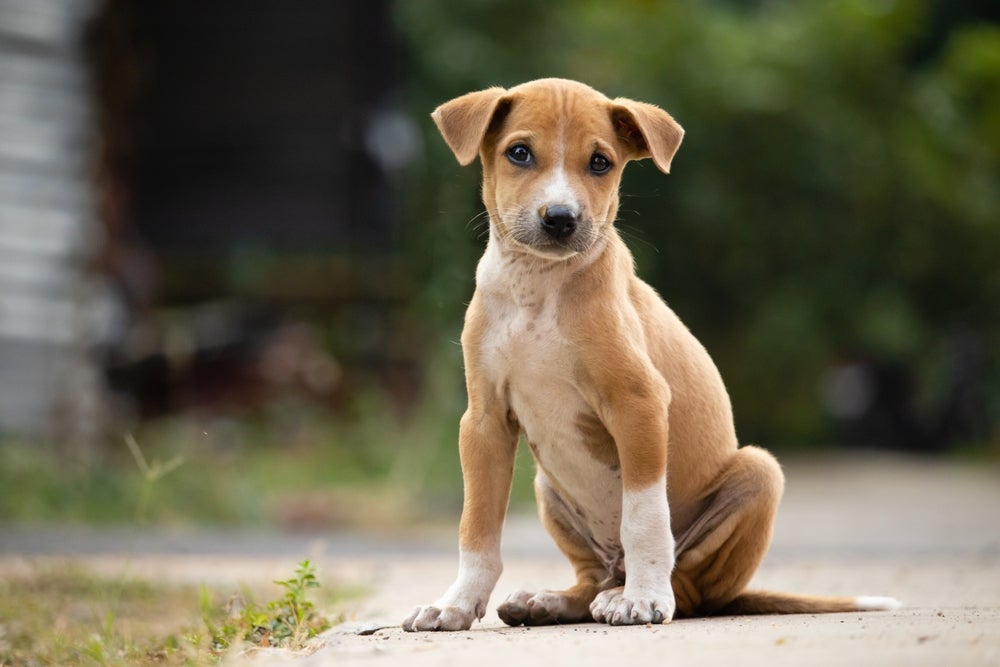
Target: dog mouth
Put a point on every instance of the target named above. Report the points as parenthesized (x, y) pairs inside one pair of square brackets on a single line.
[(531, 235), (550, 249)]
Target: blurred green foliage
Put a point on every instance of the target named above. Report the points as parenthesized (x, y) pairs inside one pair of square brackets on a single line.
[(837, 195)]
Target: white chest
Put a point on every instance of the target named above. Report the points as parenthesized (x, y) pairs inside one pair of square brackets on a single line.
[(529, 358), (533, 366)]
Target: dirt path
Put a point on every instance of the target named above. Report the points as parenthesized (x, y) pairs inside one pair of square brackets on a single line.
[(926, 533)]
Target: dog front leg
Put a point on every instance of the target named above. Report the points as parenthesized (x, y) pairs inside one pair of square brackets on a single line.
[(647, 596), (647, 540), (487, 445)]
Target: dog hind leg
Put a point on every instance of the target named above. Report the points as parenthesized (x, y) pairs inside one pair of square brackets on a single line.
[(719, 553)]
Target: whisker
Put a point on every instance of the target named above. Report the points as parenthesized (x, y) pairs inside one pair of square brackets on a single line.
[(476, 221), (635, 234)]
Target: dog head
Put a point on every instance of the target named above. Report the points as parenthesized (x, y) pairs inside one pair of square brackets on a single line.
[(552, 153)]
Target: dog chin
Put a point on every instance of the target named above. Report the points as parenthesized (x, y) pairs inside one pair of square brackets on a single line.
[(552, 251)]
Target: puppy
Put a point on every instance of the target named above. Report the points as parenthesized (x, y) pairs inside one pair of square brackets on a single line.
[(640, 479)]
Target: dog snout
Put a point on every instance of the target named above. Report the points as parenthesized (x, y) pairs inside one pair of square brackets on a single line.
[(559, 221)]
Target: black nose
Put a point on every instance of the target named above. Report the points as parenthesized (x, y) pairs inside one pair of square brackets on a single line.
[(559, 221)]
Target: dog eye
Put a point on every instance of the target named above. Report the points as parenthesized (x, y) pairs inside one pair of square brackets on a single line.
[(519, 154), (599, 164)]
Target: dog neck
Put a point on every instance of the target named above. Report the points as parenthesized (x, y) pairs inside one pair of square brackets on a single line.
[(515, 274)]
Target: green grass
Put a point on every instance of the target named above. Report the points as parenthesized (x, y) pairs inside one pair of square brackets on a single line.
[(66, 616), (61, 615)]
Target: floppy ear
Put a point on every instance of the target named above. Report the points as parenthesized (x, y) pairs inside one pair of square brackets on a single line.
[(648, 129), (464, 120)]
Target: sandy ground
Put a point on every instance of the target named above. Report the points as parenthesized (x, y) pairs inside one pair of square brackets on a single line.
[(924, 532)]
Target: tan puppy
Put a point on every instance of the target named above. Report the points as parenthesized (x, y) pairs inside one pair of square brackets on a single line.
[(640, 477)]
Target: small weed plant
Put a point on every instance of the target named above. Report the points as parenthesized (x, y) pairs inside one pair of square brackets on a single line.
[(287, 622)]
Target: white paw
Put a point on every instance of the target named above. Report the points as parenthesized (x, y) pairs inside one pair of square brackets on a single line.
[(464, 601), (615, 607), (429, 618)]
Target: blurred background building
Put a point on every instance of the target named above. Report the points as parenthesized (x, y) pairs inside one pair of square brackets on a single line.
[(246, 182), (177, 180), (211, 207)]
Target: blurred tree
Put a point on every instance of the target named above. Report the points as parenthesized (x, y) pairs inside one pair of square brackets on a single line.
[(835, 202)]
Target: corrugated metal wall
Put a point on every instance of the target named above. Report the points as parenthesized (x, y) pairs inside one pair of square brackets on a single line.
[(47, 225)]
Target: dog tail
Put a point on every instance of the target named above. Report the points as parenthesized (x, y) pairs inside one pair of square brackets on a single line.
[(767, 602)]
